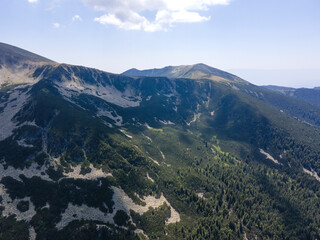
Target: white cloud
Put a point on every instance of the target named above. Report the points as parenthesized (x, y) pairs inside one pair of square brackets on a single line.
[(130, 14), (183, 16), (32, 1), (129, 21), (76, 18), (56, 25)]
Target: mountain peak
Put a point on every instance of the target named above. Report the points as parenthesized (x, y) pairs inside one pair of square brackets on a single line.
[(195, 71), (18, 66), (201, 65), (11, 55)]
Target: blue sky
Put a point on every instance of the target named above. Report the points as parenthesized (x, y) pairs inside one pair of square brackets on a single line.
[(263, 41)]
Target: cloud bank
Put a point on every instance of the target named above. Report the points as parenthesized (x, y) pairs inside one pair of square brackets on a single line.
[(151, 15)]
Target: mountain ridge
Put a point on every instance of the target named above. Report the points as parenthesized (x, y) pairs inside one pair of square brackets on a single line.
[(311, 95), (11, 55), (18, 66), (195, 71)]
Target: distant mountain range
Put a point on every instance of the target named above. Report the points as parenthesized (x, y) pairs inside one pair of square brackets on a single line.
[(186, 152), (306, 94), (197, 71)]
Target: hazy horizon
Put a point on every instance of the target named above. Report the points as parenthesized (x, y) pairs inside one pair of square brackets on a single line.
[(295, 78)]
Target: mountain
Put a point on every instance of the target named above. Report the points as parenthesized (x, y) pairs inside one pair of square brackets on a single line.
[(304, 111), (10, 55), (87, 154), (19, 66), (278, 88), (306, 94), (197, 71)]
